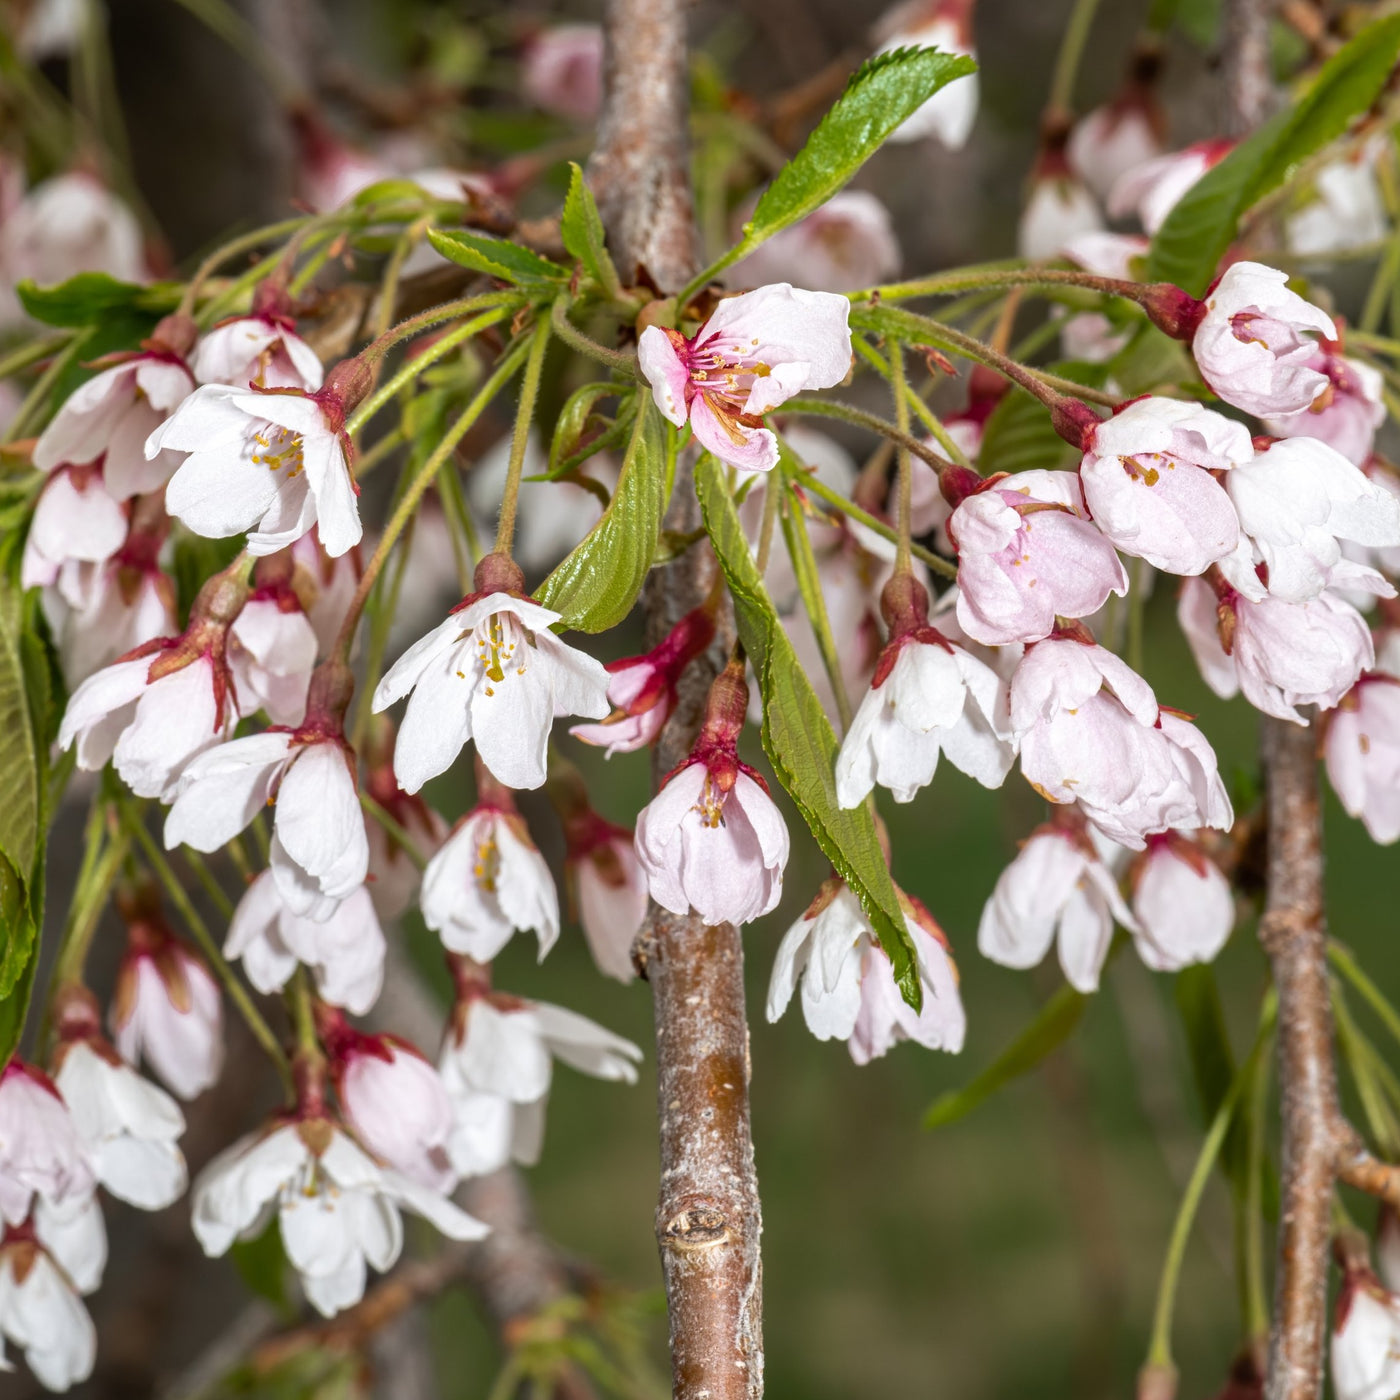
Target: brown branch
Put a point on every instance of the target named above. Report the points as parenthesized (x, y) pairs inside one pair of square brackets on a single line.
[(707, 1217)]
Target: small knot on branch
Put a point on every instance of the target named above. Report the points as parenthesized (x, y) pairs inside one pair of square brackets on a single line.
[(701, 1224)]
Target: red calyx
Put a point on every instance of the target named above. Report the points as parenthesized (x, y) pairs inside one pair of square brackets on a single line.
[(495, 573), (1171, 310), (904, 606), (1076, 422)]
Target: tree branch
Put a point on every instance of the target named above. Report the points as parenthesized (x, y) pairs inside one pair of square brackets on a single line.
[(707, 1218)]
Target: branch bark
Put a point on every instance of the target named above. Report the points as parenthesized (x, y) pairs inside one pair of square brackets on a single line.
[(708, 1220)]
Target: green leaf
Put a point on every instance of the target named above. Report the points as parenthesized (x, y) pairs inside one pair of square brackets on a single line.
[(581, 227), (574, 420), (1189, 245), (798, 738), (262, 1264), (19, 759), (1212, 1060), (497, 257), (879, 97), (1148, 361), (14, 1004), (595, 587), (91, 297), (1053, 1024)]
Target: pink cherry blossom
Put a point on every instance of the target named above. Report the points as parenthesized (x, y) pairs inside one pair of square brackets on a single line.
[(1184, 906), (494, 673), (712, 840), (41, 1152), (1027, 553), (1346, 418), (1252, 346), (563, 70), (114, 413), (1056, 885), (1152, 189), (609, 885), (1147, 479), (41, 1312), (847, 244), (1365, 1348), (325, 584), (272, 646), (261, 350), (1348, 210), (642, 689), (1362, 749), (1120, 136), (394, 876), (1059, 210), (755, 352), (948, 115), (75, 519)]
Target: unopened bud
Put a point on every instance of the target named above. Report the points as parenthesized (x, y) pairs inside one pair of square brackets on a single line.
[(1076, 422), (1171, 310)]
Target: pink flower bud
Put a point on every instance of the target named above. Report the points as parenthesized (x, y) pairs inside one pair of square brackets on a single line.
[(1183, 904)]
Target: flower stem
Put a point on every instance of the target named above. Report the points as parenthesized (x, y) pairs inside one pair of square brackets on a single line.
[(39, 392), (925, 414), (904, 512), (226, 252), (524, 417), (509, 363), (237, 993), (433, 316), (298, 997), (26, 355), (573, 337), (389, 283), (1081, 22)]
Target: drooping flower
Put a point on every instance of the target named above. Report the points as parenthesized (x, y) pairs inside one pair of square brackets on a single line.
[(41, 1313), (1251, 344), (494, 673), (1347, 211), (755, 352), (1362, 748), (712, 840), (325, 585), (846, 244), (1122, 135), (261, 349), (337, 1209), (1183, 904), (1297, 500), (272, 463), (1346, 418), (928, 697), (1365, 1348), (562, 70), (948, 115), (1146, 476), (642, 689), (1153, 188), (41, 1152), (1027, 553), (345, 952), (1056, 884), (1059, 210), (76, 519), (167, 1007), (114, 413), (272, 645)]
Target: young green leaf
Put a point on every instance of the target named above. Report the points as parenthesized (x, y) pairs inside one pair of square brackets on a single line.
[(595, 587), (798, 738), (581, 227), (19, 759), (1189, 245), (1052, 1025), (91, 297), (497, 257)]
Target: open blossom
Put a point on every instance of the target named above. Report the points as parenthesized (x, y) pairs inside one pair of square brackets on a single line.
[(114, 413), (1120, 136), (75, 519), (337, 1209), (41, 1152), (642, 689), (1184, 907), (393, 1098), (1365, 1349), (928, 697), (272, 463), (848, 987), (42, 1314), (1251, 344), (1027, 553), (1297, 501), (846, 244), (1346, 418), (712, 840), (262, 349), (1056, 884), (1362, 749), (755, 352), (166, 1007), (1146, 477), (494, 673), (1091, 732), (948, 115), (563, 70), (344, 952), (1281, 655), (319, 853), (1058, 211), (1348, 210), (488, 881), (1152, 189)]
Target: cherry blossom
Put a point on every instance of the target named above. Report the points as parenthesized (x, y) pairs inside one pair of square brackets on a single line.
[(114, 413), (494, 673), (42, 1314), (712, 839), (1348, 210), (1183, 905), (345, 952), (1120, 136), (948, 115), (928, 697), (262, 350), (1365, 1348), (324, 584), (847, 244), (755, 352), (41, 1152), (51, 29), (75, 519), (1346, 418), (1059, 210), (1027, 553), (1362, 748), (271, 462), (1056, 885), (336, 1208), (272, 645), (563, 70), (642, 689), (1152, 189), (1251, 343)]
